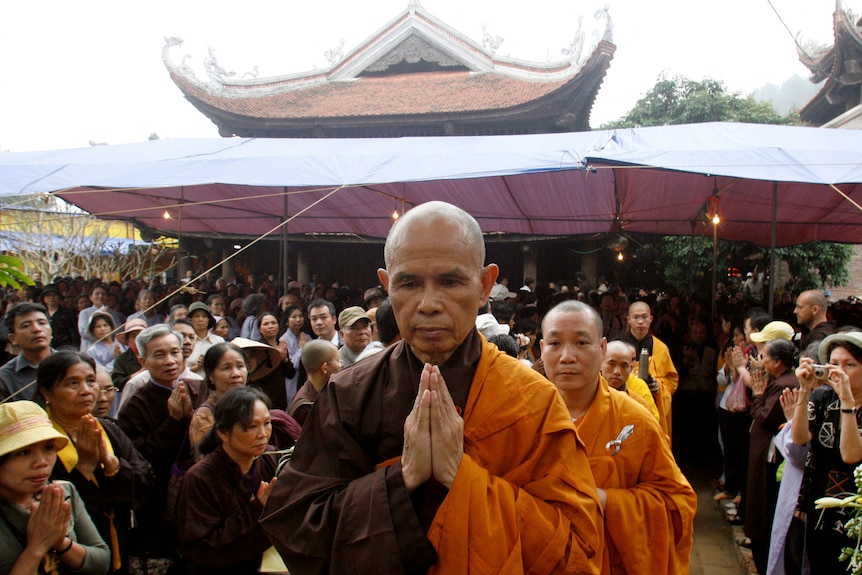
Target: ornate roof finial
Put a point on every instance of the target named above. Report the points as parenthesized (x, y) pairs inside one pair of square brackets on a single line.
[(412, 5), (490, 42), (334, 55)]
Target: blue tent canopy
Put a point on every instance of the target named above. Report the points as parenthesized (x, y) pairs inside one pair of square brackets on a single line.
[(651, 180)]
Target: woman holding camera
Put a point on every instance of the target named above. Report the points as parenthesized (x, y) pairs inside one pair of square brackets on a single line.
[(828, 416)]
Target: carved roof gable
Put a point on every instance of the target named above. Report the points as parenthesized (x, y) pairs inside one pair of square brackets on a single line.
[(414, 36), (413, 50)]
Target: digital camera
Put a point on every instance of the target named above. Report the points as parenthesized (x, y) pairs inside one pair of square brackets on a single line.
[(820, 371)]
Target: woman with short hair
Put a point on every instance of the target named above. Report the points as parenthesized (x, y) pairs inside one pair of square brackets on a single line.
[(224, 494)]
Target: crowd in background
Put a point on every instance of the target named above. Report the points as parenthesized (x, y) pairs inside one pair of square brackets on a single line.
[(269, 329)]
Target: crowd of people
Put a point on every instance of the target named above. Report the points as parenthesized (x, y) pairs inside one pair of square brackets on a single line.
[(438, 421)]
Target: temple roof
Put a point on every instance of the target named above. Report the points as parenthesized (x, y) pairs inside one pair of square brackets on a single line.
[(414, 76), (840, 65)]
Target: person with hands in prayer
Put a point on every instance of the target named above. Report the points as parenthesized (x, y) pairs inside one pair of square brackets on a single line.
[(439, 454)]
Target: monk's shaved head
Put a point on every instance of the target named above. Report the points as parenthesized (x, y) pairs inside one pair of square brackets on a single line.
[(470, 234)]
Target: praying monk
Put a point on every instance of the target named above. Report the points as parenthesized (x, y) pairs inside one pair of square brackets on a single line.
[(439, 454), (648, 504)]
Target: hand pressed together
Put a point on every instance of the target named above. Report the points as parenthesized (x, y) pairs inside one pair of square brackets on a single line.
[(433, 434)]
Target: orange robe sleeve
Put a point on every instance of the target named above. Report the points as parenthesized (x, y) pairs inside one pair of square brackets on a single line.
[(662, 370), (524, 482), (650, 509), (639, 391)]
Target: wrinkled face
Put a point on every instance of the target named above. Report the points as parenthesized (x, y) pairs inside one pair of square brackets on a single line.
[(27, 470), (75, 394), (32, 332), (572, 350), (322, 322), (164, 359), (296, 321), (249, 441), (436, 284), (357, 336), (618, 363), (804, 311), (230, 371), (639, 319)]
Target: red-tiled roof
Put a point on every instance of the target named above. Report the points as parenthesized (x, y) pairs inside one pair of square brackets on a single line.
[(407, 94)]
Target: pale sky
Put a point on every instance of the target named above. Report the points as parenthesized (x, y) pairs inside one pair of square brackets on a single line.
[(92, 70)]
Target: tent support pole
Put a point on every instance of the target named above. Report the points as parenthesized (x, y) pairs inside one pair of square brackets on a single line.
[(285, 273), (772, 263)]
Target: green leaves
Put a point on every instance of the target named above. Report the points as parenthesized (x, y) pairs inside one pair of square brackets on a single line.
[(11, 274), (679, 100)]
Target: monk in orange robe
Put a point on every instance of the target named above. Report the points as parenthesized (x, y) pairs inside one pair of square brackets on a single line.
[(649, 505), (662, 372), (439, 454), (617, 370)]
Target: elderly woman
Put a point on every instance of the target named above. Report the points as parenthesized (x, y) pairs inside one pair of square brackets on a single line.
[(109, 473), (44, 528), (779, 360), (225, 367), (223, 494), (828, 417)]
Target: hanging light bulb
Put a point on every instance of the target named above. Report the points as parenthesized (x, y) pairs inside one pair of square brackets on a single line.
[(395, 214), (166, 215), (713, 210), (620, 256)]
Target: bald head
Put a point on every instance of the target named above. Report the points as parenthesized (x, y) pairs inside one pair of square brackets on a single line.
[(432, 214), (618, 362), (811, 307), (317, 352), (639, 319), (574, 306)]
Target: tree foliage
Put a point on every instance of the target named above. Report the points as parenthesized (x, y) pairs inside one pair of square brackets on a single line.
[(685, 262), (679, 100), (11, 274)]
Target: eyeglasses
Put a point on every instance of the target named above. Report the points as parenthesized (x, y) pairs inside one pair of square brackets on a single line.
[(108, 391)]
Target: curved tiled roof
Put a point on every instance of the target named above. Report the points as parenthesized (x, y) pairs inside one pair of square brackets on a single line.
[(406, 94), (415, 76)]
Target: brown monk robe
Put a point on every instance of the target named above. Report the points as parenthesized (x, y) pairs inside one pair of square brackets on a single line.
[(524, 482), (439, 454), (649, 505)]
